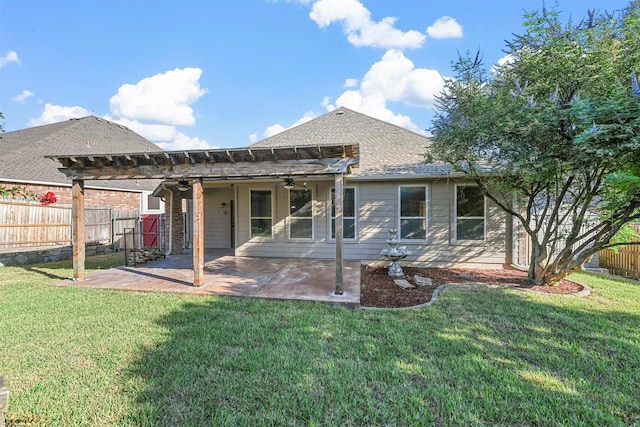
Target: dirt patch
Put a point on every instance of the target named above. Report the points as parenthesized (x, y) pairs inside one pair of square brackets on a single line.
[(377, 289)]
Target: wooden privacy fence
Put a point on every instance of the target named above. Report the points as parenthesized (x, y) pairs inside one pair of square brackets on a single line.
[(25, 224), (623, 262)]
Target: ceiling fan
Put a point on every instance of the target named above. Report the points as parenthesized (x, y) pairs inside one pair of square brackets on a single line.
[(289, 184)]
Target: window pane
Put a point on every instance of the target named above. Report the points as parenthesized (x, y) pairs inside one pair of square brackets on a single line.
[(413, 229), (348, 205), (153, 202), (470, 229), (300, 228), (301, 203), (412, 201), (261, 203), (349, 228), (470, 201), (261, 228)]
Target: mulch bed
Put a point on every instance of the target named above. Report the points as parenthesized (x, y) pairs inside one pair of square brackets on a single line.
[(377, 289)]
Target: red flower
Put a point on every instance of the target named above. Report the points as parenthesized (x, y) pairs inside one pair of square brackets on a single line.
[(47, 198)]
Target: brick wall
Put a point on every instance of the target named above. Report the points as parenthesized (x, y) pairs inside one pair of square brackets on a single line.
[(118, 200)]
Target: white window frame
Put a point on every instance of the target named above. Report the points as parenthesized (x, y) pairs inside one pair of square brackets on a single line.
[(290, 218), (145, 204), (425, 217), (272, 217), (355, 214), (455, 217)]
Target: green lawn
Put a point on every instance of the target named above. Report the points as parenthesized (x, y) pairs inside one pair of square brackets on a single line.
[(487, 356)]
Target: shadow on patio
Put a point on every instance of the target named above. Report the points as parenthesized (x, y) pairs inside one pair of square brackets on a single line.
[(225, 274)]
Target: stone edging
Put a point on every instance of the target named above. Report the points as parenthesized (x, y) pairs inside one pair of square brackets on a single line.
[(586, 290)]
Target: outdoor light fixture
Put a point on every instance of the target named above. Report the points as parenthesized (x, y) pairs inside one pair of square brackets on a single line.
[(288, 183), (183, 185)]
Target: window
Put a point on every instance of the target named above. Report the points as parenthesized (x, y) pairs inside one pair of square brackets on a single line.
[(153, 203), (413, 212), (348, 213), (470, 219), (301, 214), (261, 214)]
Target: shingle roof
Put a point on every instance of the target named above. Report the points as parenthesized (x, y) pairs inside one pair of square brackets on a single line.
[(22, 152), (386, 150)]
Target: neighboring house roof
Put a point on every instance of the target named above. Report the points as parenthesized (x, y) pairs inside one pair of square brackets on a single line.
[(386, 150), (22, 152)]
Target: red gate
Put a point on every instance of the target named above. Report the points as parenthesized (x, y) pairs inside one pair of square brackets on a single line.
[(151, 230)]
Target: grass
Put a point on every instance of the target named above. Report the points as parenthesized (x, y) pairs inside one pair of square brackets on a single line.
[(485, 356)]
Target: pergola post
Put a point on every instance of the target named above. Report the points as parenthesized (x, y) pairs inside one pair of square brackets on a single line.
[(198, 233), (339, 227), (78, 233)]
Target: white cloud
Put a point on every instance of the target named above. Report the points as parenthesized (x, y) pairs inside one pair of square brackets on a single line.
[(277, 128), (253, 138), (350, 83), (505, 60), (184, 142), (22, 97), (151, 131), (57, 113), (360, 29), (163, 98), (393, 78), (153, 108), (445, 27), (156, 105), (273, 130), (11, 56)]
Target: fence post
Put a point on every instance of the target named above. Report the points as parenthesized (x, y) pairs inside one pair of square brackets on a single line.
[(113, 234)]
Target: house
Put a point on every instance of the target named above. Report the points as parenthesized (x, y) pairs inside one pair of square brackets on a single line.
[(22, 162), (332, 187)]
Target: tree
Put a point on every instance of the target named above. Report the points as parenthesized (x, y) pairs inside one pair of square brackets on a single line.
[(553, 135)]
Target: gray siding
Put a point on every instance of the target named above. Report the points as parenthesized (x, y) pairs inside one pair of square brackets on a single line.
[(377, 204)]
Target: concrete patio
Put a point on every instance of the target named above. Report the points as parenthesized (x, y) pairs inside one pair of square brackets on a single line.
[(225, 274)]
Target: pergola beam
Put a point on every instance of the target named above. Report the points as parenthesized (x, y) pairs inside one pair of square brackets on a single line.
[(226, 170)]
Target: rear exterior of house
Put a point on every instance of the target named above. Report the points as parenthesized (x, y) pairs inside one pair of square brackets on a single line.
[(442, 220)]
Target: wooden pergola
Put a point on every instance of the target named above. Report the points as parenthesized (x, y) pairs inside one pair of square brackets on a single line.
[(211, 165)]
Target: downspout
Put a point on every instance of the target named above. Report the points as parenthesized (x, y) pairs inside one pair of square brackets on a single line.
[(169, 249)]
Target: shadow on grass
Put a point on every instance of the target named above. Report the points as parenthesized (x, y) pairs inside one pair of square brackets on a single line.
[(485, 356), (45, 273), (51, 270)]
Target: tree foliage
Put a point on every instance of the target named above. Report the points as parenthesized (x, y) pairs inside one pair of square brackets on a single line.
[(553, 135)]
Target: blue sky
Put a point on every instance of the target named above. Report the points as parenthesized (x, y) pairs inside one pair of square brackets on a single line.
[(194, 74)]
